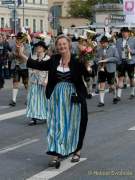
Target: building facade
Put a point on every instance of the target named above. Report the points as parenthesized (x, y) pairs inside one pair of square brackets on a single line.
[(31, 14), (60, 18), (103, 11), (109, 14)]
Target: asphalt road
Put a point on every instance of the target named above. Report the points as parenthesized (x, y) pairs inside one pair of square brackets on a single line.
[(109, 146)]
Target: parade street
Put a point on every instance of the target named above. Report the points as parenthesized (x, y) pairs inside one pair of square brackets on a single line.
[(108, 151)]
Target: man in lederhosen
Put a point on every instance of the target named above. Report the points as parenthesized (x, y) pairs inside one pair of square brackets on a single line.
[(106, 58), (126, 50), (20, 70)]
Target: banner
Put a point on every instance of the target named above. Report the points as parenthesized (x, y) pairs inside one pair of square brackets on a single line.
[(129, 7)]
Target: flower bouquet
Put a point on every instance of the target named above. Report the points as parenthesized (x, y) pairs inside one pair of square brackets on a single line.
[(87, 55)]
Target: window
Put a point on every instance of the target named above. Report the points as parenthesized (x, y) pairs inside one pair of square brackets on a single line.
[(41, 26), (33, 1), (56, 11), (34, 25), (26, 22), (41, 2), (2, 22)]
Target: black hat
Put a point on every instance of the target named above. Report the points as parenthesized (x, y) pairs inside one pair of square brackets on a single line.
[(21, 35), (104, 39), (125, 29), (41, 43)]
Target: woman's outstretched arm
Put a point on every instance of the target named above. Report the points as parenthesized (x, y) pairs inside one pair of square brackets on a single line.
[(42, 65)]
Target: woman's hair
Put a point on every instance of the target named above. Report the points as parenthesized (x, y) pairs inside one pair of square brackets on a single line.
[(63, 37)]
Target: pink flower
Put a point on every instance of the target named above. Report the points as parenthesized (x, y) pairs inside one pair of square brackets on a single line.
[(89, 50)]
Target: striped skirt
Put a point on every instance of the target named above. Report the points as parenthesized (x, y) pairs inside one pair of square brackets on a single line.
[(63, 121), (36, 102)]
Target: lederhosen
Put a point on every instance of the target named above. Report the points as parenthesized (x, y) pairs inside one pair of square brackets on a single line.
[(104, 76), (125, 67), (20, 72)]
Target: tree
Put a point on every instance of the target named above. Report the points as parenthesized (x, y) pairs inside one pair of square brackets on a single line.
[(83, 8), (79, 8)]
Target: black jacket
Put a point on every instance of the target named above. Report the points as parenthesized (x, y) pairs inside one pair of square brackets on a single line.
[(77, 69)]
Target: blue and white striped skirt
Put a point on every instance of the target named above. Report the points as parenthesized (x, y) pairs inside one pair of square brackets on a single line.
[(63, 121), (36, 102)]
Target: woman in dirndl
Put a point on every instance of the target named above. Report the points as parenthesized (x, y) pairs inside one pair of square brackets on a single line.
[(36, 100), (67, 107)]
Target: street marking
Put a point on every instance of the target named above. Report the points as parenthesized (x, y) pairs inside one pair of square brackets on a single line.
[(12, 114), (3, 107), (132, 128), (18, 145), (52, 172)]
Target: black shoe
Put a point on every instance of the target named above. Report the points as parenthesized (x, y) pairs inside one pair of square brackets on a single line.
[(12, 103), (33, 122), (75, 158), (131, 97), (54, 163), (89, 96), (118, 99), (115, 101), (100, 104)]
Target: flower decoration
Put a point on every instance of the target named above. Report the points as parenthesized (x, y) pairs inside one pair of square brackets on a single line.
[(87, 53), (40, 36)]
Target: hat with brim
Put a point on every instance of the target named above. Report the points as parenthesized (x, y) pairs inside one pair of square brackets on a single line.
[(125, 29), (104, 39), (41, 44), (21, 35)]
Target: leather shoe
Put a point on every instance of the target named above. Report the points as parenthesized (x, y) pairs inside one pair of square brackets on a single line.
[(100, 104), (12, 103)]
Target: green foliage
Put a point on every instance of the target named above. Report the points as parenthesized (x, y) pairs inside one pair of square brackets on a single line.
[(78, 8), (83, 8)]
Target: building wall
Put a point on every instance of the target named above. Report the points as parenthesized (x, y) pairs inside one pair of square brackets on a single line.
[(63, 3), (68, 22), (33, 9), (65, 20), (103, 11)]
